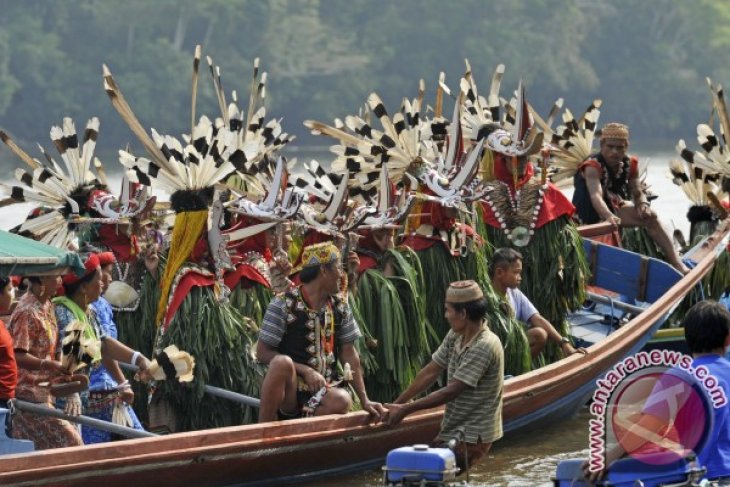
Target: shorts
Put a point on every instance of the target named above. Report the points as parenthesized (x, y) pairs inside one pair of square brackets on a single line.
[(302, 399)]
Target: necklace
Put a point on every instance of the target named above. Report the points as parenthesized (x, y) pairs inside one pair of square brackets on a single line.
[(516, 213)]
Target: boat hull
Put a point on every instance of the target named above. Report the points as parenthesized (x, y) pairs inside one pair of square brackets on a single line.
[(290, 451)]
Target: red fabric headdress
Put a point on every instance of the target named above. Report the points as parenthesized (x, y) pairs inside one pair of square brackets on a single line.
[(91, 265), (106, 258)]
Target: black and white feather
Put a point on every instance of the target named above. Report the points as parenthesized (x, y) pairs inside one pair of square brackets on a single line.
[(63, 188)]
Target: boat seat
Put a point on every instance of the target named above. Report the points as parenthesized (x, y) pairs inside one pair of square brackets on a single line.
[(633, 276)]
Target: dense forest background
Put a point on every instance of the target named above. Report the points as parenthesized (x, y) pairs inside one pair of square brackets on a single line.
[(647, 59)]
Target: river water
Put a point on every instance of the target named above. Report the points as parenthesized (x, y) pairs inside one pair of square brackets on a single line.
[(527, 458)]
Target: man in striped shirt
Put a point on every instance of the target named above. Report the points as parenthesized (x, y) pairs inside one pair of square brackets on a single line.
[(474, 360), (305, 331)]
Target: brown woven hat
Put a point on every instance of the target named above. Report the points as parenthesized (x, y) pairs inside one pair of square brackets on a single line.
[(463, 292), (615, 130)]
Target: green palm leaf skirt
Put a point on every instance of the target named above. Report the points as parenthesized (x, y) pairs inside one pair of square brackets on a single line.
[(392, 317), (554, 272)]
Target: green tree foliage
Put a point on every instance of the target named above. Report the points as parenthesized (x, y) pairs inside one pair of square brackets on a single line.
[(646, 60)]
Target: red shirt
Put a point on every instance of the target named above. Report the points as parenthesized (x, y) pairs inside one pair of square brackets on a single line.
[(8, 368)]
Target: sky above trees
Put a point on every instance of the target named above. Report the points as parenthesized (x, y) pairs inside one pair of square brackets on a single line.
[(647, 60)]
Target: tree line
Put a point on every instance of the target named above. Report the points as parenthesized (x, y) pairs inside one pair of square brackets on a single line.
[(647, 60)]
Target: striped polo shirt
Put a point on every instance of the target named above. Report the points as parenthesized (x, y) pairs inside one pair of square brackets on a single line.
[(479, 365)]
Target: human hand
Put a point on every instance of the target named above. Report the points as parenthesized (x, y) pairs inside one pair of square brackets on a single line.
[(643, 210), (143, 374), (54, 367), (568, 349), (314, 380), (375, 409), (73, 405), (613, 220), (281, 260), (394, 414), (126, 395)]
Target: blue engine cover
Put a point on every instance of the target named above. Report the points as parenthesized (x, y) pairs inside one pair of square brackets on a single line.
[(625, 472), (411, 463)]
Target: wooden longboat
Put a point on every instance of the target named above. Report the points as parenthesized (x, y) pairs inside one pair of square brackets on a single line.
[(303, 449)]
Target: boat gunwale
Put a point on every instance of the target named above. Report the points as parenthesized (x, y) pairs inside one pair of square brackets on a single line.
[(518, 397)]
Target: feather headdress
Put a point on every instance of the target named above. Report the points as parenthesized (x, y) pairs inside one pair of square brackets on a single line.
[(715, 158), (70, 190), (407, 144), (706, 177), (330, 211), (570, 143)]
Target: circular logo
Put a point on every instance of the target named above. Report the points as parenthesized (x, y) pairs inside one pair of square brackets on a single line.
[(659, 415)]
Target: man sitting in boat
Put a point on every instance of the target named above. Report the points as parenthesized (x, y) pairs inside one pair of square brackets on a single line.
[(608, 188), (474, 359), (505, 271), (305, 331)]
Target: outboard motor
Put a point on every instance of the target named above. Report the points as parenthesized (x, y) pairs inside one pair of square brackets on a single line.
[(420, 465), (629, 472)]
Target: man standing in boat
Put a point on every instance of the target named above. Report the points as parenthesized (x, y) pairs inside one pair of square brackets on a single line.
[(608, 188), (305, 331), (474, 360), (505, 271)]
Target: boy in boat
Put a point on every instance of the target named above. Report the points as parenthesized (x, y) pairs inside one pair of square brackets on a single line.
[(474, 360), (305, 331), (608, 188), (505, 271)]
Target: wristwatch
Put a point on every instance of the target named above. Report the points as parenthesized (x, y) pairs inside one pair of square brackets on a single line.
[(564, 340)]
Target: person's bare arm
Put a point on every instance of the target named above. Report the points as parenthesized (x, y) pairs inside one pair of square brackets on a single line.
[(538, 321), (425, 378), (349, 355), (639, 198), (595, 191), (396, 412)]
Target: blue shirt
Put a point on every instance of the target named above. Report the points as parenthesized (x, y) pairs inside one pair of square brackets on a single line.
[(524, 309), (715, 456), (100, 379)]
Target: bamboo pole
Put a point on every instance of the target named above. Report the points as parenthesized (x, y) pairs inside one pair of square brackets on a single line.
[(214, 391), (42, 410)]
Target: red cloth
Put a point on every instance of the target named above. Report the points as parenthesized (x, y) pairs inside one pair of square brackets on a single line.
[(554, 204), (91, 264), (8, 367), (195, 279), (255, 243), (502, 173), (124, 248), (366, 262), (633, 166), (419, 242), (242, 273), (106, 258), (187, 282)]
